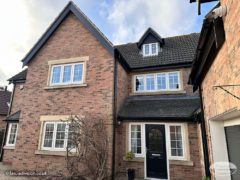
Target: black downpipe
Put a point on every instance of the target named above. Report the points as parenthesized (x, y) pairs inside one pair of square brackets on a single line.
[(5, 133), (114, 116), (204, 138)]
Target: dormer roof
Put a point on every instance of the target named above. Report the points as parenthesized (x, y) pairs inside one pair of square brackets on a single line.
[(150, 35)]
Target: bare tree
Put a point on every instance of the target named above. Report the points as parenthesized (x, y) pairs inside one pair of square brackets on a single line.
[(87, 149)]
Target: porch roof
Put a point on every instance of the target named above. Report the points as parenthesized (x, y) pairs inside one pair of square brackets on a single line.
[(164, 107), (14, 117)]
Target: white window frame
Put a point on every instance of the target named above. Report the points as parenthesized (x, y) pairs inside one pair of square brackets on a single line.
[(156, 84), (184, 141), (150, 49), (72, 74), (8, 135), (142, 154), (54, 136), (185, 145)]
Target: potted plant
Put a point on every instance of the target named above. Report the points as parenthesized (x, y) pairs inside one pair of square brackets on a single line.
[(131, 172)]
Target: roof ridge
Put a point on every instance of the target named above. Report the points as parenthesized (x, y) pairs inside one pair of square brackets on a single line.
[(194, 33)]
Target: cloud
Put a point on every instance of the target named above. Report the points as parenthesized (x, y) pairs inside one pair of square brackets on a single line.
[(130, 18)]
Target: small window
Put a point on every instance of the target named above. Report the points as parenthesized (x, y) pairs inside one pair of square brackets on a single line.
[(12, 134), (135, 139), (173, 80), (139, 83), (161, 82), (55, 136), (150, 82), (176, 141), (67, 74), (151, 49)]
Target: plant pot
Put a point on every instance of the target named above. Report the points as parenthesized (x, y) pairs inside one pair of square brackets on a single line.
[(131, 174)]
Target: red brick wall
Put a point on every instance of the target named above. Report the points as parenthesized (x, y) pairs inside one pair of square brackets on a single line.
[(2, 122), (70, 40), (224, 70)]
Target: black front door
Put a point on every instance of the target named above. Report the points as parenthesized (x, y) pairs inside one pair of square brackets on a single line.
[(156, 158)]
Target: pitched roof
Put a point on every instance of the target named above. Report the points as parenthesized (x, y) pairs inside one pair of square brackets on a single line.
[(159, 107), (5, 97), (177, 50), (20, 77), (150, 31), (14, 117), (71, 7)]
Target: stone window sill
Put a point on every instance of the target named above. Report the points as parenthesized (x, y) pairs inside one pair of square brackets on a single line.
[(157, 93), (9, 147), (181, 162), (52, 153), (136, 159), (65, 86)]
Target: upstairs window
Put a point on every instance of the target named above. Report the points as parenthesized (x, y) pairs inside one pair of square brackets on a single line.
[(150, 49), (67, 74), (157, 82)]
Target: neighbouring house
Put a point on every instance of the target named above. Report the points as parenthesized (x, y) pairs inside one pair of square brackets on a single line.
[(5, 97), (216, 74), (140, 89)]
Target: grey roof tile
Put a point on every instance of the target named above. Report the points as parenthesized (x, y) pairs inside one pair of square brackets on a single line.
[(14, 117), (5, 97), (19, 77), (177, 50), (162, 107)]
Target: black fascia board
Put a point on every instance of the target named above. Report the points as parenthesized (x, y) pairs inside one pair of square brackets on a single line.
[(161, 67), (203, 1), (174, 119), (70, 7)]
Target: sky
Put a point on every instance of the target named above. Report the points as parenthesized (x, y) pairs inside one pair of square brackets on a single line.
[(122, 21)]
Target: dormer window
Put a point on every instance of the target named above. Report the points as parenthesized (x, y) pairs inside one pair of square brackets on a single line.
[(151, 49)]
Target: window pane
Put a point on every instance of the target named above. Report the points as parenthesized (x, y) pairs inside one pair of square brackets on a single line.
[(56, 74), (48, 138), (136, 139), (78, 72), (173, 81), (60, 135), (176, 141), (71, 138), (146, 49), (139, 83), (154, 48), (161, 81), (67, 73), (150, 82), (13, 134)]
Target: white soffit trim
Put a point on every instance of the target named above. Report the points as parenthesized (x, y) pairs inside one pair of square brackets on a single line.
[(227, 115)]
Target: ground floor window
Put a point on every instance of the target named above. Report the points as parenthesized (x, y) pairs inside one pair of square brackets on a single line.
[(55, 136), (12, 134), (175, 140)]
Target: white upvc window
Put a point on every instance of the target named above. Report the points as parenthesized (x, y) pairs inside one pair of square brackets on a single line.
[(157, 82), (136, 139), (177, 141), (151, 49), (12, 134), (55, 136), (66, 74)]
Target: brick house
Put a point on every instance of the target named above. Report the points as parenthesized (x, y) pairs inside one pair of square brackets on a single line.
[(216, 74), (5, 97), (140, 89)]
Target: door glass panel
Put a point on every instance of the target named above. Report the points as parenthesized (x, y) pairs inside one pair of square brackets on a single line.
[(155, 140)]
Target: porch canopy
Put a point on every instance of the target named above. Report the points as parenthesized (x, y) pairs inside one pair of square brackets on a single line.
[(162, 107), (14, 117)]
